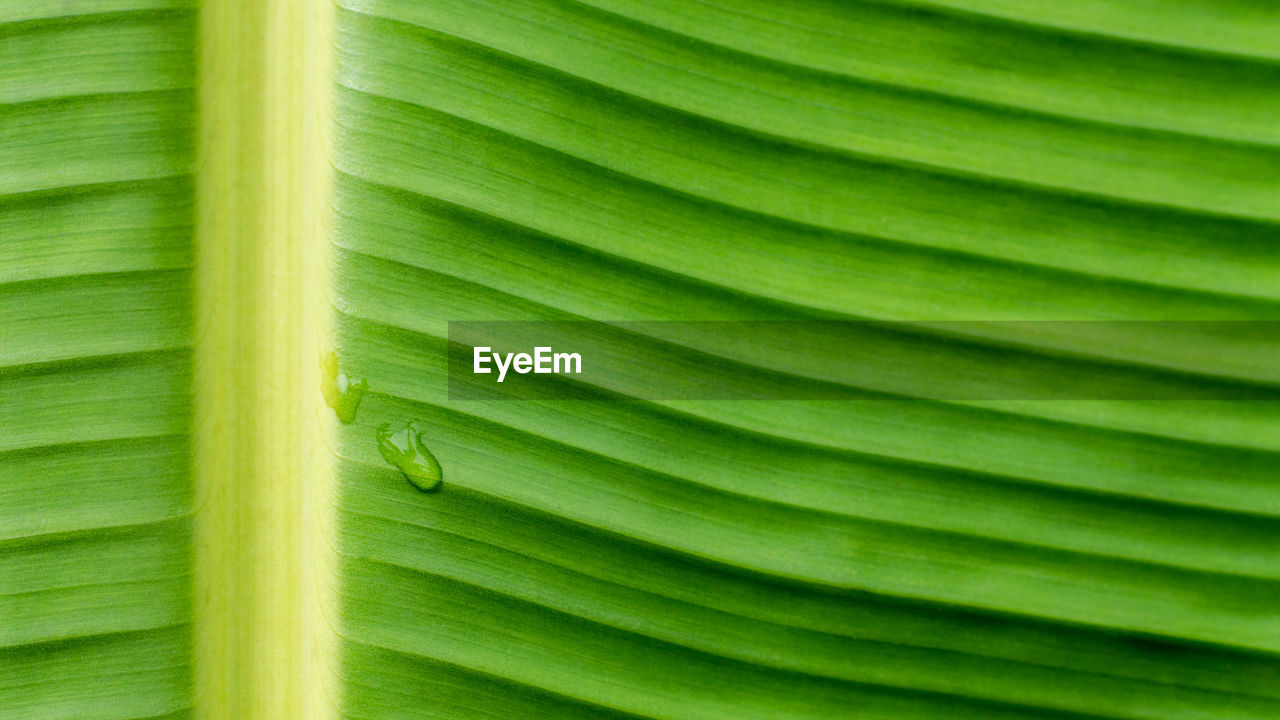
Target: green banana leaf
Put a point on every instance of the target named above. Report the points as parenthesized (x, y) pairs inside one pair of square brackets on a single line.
[(218, 217)]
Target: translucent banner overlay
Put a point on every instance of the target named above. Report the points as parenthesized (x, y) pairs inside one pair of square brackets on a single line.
[(865, 360)]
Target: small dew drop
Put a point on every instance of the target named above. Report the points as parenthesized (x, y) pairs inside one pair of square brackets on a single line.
[(339, 392), (404, 449)]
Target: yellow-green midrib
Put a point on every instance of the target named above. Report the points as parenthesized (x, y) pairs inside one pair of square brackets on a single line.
[(262, 482), (163, 181)]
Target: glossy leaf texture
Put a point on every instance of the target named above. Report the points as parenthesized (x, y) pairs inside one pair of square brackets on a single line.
[(886, 558), (96, 210)]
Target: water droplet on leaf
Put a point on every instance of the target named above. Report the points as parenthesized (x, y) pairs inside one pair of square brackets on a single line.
[(339, 392), (404, 449)]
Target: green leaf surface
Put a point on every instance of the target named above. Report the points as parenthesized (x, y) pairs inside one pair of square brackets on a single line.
[(882, 559), (96, 210), (895, 555)]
